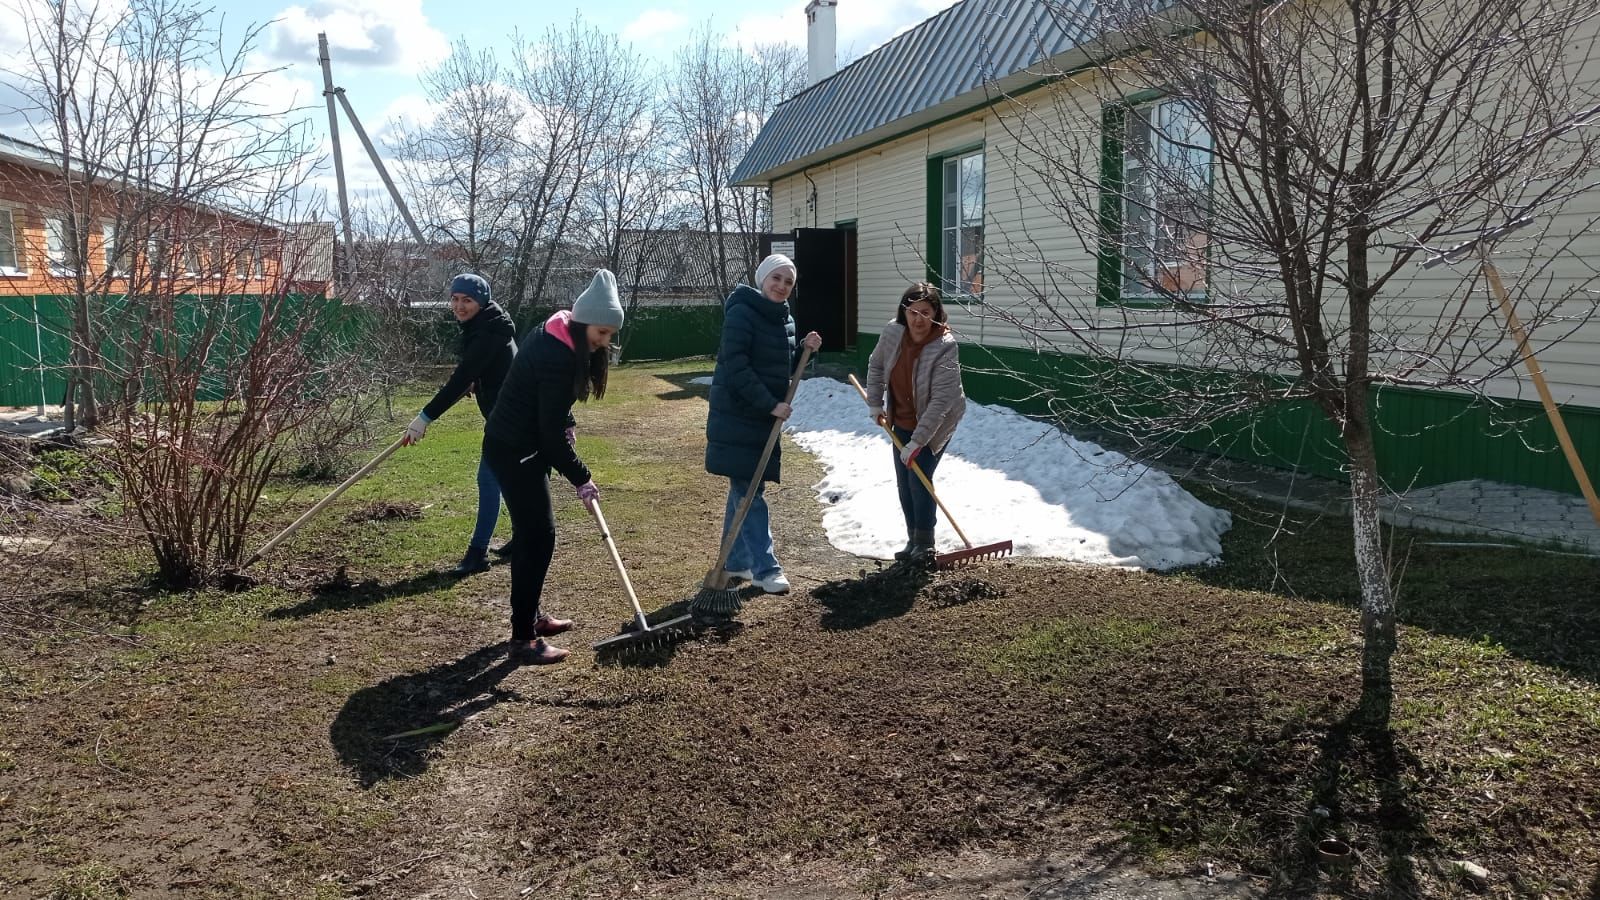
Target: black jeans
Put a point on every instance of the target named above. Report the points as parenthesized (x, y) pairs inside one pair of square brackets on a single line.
[(525, 486)]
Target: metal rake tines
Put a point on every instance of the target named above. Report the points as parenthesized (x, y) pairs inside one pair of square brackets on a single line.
[(720, 603), (957, 558)]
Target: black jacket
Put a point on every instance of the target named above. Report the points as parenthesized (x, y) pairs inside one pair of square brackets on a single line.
[(754, 362), (535, 405), (488, 343)]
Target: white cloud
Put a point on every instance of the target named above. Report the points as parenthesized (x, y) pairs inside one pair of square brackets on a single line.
[(377, 33), (651, 25), (407, 112), (861, 27)]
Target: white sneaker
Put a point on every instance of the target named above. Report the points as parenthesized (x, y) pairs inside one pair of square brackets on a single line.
[(741, 575), (773, 584)]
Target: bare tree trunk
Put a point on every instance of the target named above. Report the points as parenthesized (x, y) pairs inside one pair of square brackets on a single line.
[(1372, 572)]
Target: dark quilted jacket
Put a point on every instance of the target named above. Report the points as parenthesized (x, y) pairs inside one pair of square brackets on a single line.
[(754, 362)]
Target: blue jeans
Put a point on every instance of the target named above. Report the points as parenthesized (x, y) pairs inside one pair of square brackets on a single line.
[(915, 502), (488, 506), (752, 549)]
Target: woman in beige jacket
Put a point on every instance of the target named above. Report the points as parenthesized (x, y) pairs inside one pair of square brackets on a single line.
[(914, 386)]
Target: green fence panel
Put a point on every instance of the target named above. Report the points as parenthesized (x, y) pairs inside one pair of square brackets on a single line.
[(672, 332), (27, 337), (33, 343)]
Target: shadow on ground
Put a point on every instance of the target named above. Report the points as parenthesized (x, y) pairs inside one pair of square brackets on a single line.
[(1537, 606), (389, 730), (339, 593), (1356, 762), (686, 387), (870, 597)]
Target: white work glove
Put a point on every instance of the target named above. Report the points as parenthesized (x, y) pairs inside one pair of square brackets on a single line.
[(909, 451), (877, 414), (415, 431)]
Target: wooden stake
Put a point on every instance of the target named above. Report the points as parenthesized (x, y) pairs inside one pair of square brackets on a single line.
[(1550, 408)]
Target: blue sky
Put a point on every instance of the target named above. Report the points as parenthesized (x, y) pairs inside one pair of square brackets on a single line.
[(380, 47)]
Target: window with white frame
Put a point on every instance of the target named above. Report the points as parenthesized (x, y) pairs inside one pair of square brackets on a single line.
[(10, 259), (961, 226), (191, 258), (59, 241), (1166, 189), (118, 258)]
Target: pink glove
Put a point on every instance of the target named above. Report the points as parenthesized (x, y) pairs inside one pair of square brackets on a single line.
[(572, 436), (588, 493)]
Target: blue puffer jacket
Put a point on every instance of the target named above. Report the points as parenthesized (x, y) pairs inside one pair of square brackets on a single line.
[(754, 362)]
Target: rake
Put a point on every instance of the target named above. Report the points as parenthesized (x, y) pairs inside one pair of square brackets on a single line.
[(642, 636), (953, 558), (322, 504), (716, 600)]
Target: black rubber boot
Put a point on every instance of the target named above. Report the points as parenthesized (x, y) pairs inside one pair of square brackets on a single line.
[(920, 550), (504, 550), (476, 560)]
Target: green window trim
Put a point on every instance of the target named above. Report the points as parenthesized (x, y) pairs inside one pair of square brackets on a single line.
[(934, 222), (1109, 273)]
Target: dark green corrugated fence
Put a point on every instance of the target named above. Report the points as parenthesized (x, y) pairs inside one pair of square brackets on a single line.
[(34, 337)]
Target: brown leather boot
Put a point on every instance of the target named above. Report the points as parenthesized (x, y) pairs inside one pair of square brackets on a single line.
[(545, 626), (536, 653)]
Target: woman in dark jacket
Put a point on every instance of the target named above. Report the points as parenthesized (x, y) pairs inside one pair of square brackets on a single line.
[(488, 344), (531, 431), (755, 360)]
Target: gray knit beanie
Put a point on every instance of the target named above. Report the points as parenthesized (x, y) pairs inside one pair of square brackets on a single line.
[(599, 304)]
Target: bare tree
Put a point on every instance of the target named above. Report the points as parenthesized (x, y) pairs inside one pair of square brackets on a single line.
[(163, 215), (1261, 183), (464, 169), (717, 99)]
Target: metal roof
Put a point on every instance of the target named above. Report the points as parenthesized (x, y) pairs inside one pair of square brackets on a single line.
[(682, 260), (940, 67)]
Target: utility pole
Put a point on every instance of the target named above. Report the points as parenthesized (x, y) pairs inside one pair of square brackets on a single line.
[(331, 93), (338, 158)]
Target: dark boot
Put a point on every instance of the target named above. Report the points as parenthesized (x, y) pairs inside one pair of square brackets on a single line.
[(476, 560), (548, 626), (536, 653), (504, 550), (920, 550)]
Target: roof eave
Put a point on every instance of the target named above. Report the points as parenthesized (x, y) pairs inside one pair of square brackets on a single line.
[(978, 98)]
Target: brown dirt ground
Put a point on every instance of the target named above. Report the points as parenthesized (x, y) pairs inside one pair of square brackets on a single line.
[(1013, 729)]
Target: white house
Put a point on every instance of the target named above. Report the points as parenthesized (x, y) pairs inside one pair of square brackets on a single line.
[(911, 163)]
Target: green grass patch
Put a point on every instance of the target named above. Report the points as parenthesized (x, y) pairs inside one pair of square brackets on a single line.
[(1048, 652), (94, 880)]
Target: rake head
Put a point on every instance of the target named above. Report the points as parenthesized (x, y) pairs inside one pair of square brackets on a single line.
[(642, 640), (957, 558), (715, 604)]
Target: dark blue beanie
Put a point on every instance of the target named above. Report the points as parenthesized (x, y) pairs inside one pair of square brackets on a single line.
[(472, 285)]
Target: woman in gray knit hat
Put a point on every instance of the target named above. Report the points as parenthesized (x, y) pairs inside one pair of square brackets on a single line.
[(531, 432)]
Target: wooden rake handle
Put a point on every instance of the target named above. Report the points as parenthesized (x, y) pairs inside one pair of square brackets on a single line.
[(616, 560), (715, 579), (914, 467), (305, 517)]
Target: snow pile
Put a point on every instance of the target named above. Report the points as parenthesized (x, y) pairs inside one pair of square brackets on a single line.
[(1005, 477)]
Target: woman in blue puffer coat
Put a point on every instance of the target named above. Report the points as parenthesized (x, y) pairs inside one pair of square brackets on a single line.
[(755, 359)]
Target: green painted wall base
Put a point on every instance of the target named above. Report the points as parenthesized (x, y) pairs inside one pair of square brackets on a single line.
[(1425, 437)]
